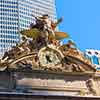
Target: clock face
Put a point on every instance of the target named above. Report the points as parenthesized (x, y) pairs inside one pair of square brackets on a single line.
[(49, 57)]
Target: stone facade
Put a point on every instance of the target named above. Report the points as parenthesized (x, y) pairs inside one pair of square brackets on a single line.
[(49, 83)]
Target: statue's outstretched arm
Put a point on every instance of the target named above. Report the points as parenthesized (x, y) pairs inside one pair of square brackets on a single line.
[(56, 23)]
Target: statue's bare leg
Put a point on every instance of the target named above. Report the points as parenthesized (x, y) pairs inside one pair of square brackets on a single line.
[(46, 37)]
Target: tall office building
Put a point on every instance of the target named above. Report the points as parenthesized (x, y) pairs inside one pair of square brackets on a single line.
[(16, 15), (8, 24)]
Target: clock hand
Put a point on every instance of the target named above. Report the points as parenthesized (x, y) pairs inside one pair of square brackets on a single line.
[(48, 58)]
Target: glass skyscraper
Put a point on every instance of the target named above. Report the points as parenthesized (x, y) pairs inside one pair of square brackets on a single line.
[(8, 24), (93, 56), (16, 15)]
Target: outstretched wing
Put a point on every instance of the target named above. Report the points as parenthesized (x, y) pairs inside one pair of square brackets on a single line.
[(61, 35), (31, 33)]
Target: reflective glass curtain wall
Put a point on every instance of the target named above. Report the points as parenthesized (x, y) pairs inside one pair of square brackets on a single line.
[(16, 15)]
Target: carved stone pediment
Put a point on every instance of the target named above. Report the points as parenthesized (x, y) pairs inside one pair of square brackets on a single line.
[(77, 65), (54, 59), (76, 60)]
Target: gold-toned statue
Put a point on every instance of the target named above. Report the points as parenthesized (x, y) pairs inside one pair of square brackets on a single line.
[(47, 26)]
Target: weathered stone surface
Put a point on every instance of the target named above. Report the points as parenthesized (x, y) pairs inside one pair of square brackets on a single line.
[(32, 96), (7, 81)]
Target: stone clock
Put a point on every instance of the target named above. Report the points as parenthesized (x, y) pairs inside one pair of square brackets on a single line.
[(50, 56)]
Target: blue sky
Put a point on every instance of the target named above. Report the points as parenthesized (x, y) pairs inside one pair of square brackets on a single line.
[(81, 21)]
